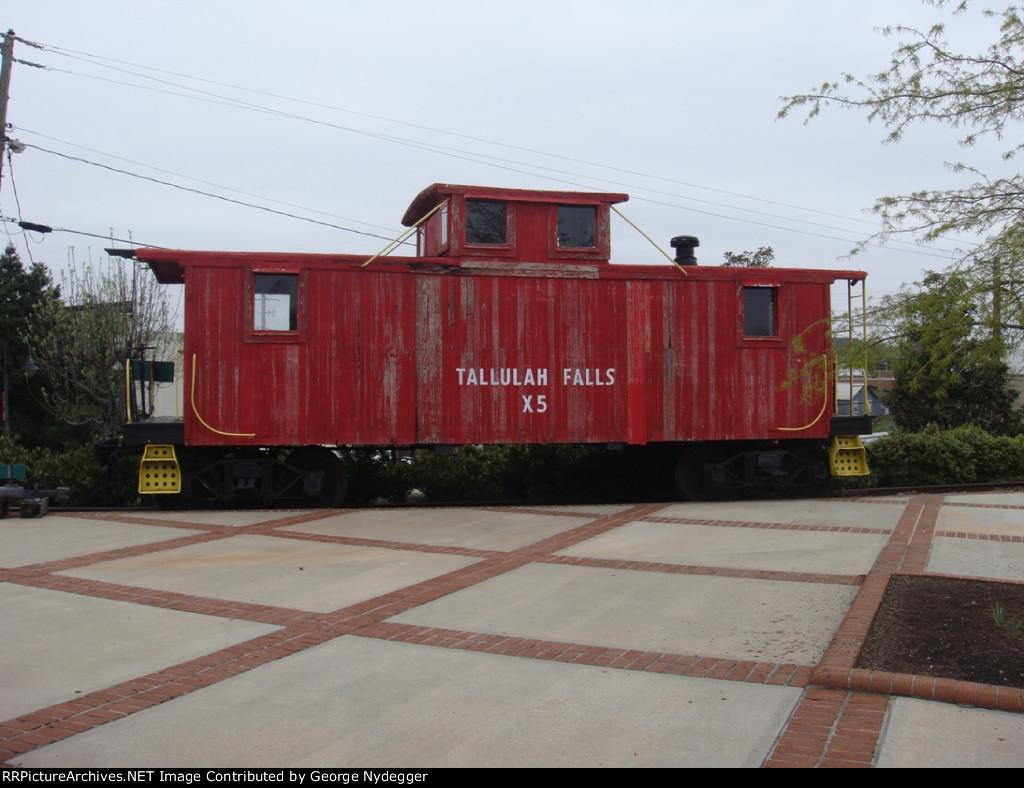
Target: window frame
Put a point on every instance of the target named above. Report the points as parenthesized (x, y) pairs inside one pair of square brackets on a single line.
[(595, 235), (433, 237), (274, 335), (758, 340), (600, 251), (508, 213)]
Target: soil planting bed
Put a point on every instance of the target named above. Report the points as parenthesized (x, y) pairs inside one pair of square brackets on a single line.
[(947, 628)]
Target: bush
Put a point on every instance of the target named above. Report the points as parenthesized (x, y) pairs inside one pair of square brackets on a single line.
[(376, 475), (77, 469), (963, 455), (564, 473)]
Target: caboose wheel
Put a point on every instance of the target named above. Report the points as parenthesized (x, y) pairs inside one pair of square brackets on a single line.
[(333, 483), (698, 474), (811, 478), (201, 478)]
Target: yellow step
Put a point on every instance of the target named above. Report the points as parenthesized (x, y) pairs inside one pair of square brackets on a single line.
[(847, 457), (159, 472)]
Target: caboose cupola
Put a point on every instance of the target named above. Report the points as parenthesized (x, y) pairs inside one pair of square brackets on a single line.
[(514, 225)]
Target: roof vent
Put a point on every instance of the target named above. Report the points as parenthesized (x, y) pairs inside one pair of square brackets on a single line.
[(684, 246)]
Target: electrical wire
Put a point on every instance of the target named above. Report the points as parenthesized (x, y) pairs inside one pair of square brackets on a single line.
[(41, 228), (204, 194), (914, 250), (389, 230), (17, 203), (97, 60), (475, 157)]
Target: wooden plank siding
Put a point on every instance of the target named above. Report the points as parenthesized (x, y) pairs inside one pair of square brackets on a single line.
[(421, 351)]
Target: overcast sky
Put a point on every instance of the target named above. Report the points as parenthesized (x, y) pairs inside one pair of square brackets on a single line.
[(339, 112)]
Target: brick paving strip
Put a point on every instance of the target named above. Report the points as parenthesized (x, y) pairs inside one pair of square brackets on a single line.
[(832, 724), (839, 720)]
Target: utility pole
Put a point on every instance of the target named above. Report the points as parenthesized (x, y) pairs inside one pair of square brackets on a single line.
[(5, 89)]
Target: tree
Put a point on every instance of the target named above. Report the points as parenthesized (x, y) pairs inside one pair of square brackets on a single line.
[(22, 292), (981, 96), (996, 272), (108, 312), (927, 82), (762, 258), (948, 363)]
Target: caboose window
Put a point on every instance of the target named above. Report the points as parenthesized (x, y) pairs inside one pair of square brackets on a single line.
[(577, 225), (443, 226), (485, 222), (275, 302), (759, 311)]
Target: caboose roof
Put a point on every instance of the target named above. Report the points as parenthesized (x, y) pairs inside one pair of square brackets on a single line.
[(170, 265), (438, 192)]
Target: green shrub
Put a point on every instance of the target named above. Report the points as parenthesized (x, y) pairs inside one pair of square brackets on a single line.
[(493, 473), (76, 469), (963, 455), (376, 476), (563, 473)]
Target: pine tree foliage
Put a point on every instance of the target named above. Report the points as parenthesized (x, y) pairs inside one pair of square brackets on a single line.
[(22, 291)]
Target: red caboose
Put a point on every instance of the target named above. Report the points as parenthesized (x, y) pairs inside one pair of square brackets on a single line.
[(509, 325)]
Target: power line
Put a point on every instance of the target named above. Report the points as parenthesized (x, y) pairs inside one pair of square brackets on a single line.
[(42, 228), (96, 60), (390, 230), (205, 194), (915, 250), (494, 161), (231, 102)]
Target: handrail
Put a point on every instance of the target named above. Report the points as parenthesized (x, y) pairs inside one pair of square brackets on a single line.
[(128, 391), (864, 341), (649, 239), (824, 404), (179, 375), (408, 232), (200, 418)]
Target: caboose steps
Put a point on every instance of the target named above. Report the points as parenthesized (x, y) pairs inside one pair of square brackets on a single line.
[(848, 457)]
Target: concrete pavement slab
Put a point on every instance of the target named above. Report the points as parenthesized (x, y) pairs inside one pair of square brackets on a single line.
[(271, 570), (371, 703), (925, 735), (55, 646), (732, 617), (770, 549), (54, 537), (228, 518), (850, 513), (982, 558), (471, 528), (967, 516), (1004, 498), (599, 509)]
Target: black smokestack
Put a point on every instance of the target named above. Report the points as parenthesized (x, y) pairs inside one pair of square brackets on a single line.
[(684, 246)]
